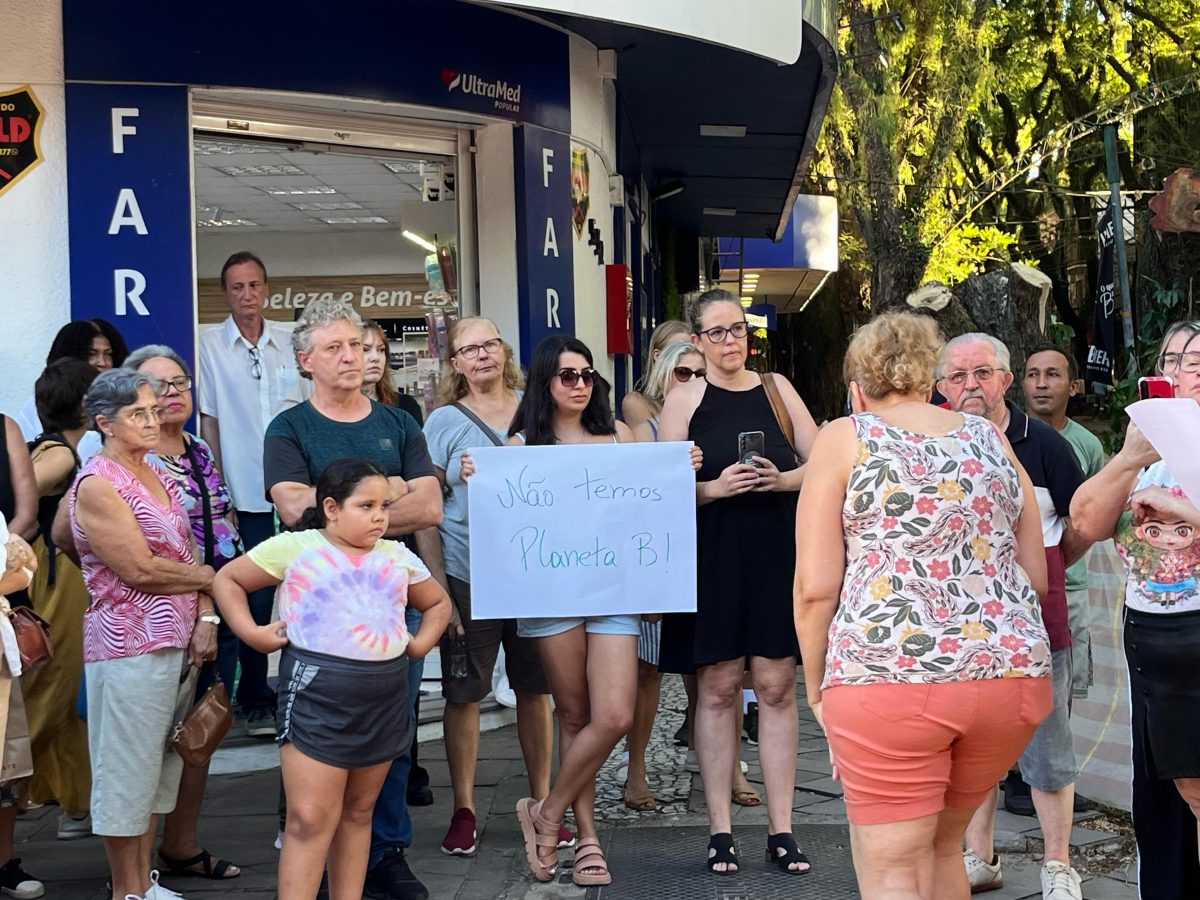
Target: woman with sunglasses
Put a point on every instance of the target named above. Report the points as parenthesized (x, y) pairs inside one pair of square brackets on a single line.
[(478, 395), (747, 507), (188, 462), (1138, 502), (566, 402), (677, 364), (640, 404)]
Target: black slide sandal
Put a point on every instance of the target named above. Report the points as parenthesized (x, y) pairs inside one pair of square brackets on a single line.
[(722, 850), (791, 855)]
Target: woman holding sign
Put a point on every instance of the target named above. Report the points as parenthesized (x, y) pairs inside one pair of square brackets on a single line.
[(747, 425), (1136, 500), (591, 662), (478, 392)]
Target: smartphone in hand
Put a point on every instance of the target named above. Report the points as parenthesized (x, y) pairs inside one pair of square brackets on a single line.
[(750, 445), (1155, 386)]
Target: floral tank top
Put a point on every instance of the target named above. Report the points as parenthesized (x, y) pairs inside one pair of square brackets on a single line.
[(932, 590)]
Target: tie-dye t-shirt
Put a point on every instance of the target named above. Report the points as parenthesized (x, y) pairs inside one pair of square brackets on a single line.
[(343, 604)]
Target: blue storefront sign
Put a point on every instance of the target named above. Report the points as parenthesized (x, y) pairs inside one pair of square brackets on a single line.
[(130, 202), (427, 52), (545, 271)]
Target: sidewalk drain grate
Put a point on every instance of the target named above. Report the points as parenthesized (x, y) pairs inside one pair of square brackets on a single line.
[(667, 863)]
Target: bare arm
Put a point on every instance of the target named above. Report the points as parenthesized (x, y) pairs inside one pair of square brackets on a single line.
[(634, 409), (820, 548), (429, 548), (114, 536), (1100, 500), (1074, 545), (25, 494), (420, 508), (291, 499), (60, 532), (210, 431), (230, 589), (52, 468), (434, 603), (1031, 551)]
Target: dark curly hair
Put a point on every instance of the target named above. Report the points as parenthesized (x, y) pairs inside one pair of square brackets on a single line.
[(338, 480), (535, 414), (75, 340)]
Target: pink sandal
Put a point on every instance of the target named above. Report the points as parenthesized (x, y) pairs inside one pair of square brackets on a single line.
[(588, 855), (529, 813)]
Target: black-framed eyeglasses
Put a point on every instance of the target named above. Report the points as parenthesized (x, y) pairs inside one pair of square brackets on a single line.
[(470, 351), (718, 333), (684, 374), (1183, 362), (982, 374), (255, 363), (572, 377), (181, 383)]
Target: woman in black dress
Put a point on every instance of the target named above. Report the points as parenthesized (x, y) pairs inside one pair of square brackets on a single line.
[(746, 562)]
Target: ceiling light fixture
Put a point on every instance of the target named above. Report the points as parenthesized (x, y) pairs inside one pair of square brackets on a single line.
[(747, 302), (326, 205), (354, 220), (669, 189), (248, 171), (723, 131), (294, 190), (720, 211), (425, 244)]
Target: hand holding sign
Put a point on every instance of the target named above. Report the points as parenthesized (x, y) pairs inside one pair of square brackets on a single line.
[(582, 529)]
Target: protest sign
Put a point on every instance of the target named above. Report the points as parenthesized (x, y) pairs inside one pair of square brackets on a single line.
[(582, 530)]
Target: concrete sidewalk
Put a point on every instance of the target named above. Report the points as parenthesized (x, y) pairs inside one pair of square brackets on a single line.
[(653, 855)]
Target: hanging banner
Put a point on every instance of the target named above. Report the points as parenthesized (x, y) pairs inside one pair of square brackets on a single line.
[(1103, 348)]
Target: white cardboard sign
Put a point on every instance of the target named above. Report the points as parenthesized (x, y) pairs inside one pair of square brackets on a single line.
[(582, 530), (1172, 426)]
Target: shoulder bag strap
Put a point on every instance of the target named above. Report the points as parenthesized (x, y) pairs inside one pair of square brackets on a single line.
[(780, 410), (189, 447), (483, 426)]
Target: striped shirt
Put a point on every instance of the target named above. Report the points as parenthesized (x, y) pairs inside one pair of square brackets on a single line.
[(122, 620)]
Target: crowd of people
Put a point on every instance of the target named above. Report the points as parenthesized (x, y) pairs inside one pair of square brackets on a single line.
[(922, 557)]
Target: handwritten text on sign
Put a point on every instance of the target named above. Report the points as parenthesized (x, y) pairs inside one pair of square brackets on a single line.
[(582, 530)]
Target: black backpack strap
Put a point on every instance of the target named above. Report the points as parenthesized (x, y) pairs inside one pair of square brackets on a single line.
[(189, 447)]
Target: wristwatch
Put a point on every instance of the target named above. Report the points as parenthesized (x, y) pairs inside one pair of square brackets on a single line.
[(210, 618)]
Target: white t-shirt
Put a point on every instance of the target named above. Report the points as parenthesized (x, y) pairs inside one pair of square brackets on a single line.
[(244, 405)]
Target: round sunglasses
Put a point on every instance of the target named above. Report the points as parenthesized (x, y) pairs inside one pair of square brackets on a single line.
[(684, 374)]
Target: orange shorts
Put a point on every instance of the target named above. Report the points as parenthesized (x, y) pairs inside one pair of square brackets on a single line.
[(910, 750)]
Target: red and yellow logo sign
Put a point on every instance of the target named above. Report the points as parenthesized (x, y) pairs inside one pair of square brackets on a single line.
[(20, 127)]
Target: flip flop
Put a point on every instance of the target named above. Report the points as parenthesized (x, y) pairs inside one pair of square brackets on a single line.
[(588, 855), (211, 867), (529, 815), (644, 802)]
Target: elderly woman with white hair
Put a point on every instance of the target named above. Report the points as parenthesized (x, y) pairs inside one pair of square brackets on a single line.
[(149, 622)]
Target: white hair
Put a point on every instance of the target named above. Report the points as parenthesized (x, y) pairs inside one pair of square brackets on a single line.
[(1003, 357)]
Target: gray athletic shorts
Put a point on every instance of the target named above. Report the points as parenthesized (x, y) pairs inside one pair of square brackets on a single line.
[(348, 713), (1048, 762)]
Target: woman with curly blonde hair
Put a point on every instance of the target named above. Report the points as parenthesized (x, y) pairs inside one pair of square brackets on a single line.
[(919, 567), (478, 395)]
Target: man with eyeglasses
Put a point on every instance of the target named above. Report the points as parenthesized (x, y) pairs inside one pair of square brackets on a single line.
[(247, 376), (973, 374)]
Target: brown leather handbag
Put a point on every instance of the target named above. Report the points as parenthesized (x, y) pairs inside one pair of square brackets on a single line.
[(198, 736), (33, 637)]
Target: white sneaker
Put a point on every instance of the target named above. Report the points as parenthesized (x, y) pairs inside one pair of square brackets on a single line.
[(70, 829), (1060, 882), (159, 892), (982, 876)]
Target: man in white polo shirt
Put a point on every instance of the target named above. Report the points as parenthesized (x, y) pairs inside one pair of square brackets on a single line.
[(247, 377)]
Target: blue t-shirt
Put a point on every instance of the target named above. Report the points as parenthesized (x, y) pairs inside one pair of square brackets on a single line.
[(300, 443), (449, 433)]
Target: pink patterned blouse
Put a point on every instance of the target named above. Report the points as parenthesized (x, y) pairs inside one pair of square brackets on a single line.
[(932, 590), (121, 620)]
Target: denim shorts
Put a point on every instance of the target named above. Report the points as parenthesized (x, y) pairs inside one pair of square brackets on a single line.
[(1048, 762), (536, 628)]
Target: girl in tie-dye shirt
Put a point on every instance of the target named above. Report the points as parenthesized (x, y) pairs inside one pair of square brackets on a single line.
[(343, 675)]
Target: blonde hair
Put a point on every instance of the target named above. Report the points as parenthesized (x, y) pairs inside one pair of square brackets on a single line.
[(659, 339), (657, 379), (896, 352), (453, 386)]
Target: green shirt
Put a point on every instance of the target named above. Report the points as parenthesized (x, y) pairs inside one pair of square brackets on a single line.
[(1090, 453)]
